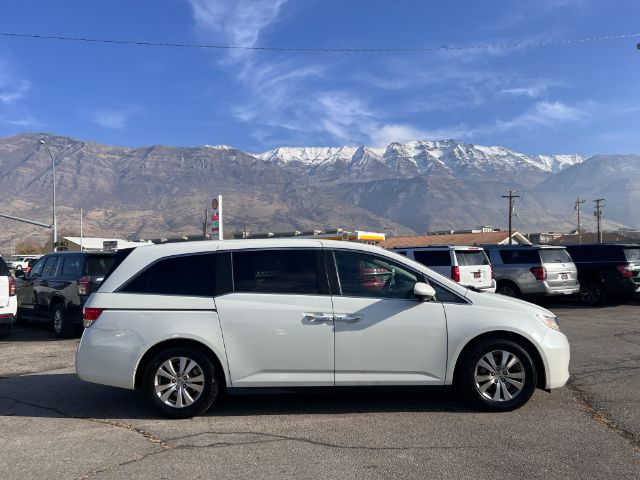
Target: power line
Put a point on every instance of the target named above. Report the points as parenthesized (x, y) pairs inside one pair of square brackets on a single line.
[(487, 46)]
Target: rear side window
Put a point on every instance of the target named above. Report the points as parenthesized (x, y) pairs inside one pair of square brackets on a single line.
[(519, 256), (186, 275), (596, 253), (554, 255), (433, 258), (72, 266), (632, 254), (98, 265), (468, 258), (279, 271)]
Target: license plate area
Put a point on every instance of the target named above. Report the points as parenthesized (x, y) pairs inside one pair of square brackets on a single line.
[(477, 275), (564, 276)]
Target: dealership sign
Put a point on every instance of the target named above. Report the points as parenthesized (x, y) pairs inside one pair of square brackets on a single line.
[(215, 224)]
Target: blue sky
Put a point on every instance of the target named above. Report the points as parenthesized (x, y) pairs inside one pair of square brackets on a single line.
[(582, 98)]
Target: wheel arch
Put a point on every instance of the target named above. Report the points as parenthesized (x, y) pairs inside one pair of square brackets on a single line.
[(521, 340), (173, 343)]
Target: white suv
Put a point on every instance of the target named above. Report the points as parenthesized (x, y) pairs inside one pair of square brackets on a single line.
[(469, 266), (185, 321), (8, 302)]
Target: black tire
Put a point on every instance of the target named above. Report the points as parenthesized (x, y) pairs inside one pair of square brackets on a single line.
[(472, 379), (62, 326), (170, 408), (508, 289), (591, 294), (5, 330)]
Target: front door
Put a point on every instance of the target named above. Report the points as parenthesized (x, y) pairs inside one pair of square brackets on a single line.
[(383, 334), (277, 323)]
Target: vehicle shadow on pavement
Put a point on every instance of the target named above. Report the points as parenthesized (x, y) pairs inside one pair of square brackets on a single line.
[(64, 395)]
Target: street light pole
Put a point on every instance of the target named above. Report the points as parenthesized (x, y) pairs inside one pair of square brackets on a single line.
[(54, 225)]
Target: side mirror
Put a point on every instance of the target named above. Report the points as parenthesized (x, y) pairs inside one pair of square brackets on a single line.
[(20, 274), (423, 291)]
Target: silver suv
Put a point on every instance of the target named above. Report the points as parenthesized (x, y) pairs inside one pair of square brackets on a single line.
[(533, 270)]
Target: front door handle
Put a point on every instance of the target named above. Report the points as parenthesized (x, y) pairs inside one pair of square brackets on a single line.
[(348, 317), (318, 317)]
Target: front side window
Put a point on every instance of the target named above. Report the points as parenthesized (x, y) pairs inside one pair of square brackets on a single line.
[(49, 269), (36, 270), (278, 271), (186, 275), (364, 275)]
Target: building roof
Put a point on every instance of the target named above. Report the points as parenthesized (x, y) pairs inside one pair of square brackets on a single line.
[(589, 237), (454, 239)]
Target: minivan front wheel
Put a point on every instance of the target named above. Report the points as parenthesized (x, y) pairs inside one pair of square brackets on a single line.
[(181, 382), (497, 375)]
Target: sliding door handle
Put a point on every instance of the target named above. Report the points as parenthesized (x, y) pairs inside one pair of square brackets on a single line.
[(348, 317), (314, 317)]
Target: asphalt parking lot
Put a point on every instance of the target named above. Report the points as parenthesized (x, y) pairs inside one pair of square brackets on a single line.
[(54, 426)]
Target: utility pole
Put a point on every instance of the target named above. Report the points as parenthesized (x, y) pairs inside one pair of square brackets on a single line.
[(578, 206), (511, 196), (204, 224), (54, 225), (598, 215)]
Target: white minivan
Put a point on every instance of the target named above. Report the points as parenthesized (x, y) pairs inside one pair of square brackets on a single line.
[(185, 321), (467, 265)]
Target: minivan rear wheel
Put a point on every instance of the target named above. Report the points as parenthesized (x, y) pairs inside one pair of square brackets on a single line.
[(181, 382), (497, 375)]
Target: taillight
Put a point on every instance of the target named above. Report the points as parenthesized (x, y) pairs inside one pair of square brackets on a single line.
[(455, 273), (492, 273), (539, 272), (90, 315), (12, 286), (83, 285), (625, 271)]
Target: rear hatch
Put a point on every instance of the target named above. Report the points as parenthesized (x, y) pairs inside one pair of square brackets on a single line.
[(632, 255), (95, 270), (4, 284), (475, 268), (561, 271)]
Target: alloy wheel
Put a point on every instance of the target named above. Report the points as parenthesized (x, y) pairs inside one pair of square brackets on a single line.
[(499, 376), (179, 382), (590, 294)]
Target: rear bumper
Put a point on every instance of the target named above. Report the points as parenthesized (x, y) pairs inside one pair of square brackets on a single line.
[(6, 318)]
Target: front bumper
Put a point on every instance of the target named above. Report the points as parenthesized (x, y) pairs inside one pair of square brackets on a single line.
[(557, 354)]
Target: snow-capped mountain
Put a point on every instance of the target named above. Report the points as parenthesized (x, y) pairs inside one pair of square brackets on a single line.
[(446, 158)]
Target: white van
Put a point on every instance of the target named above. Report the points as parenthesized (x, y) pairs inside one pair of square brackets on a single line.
[(307, 313), (465, 265)]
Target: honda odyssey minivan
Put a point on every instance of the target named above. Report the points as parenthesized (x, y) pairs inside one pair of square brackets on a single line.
[(185, 321)]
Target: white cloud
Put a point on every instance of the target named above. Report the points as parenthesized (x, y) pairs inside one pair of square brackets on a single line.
[(13, 93), (239, 22), (114, 118), (545, 114)]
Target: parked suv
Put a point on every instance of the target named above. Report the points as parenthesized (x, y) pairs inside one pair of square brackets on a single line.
[(8, 302), (184, 321), (606, 270), (58, 285), (533, 270), (469, 266)]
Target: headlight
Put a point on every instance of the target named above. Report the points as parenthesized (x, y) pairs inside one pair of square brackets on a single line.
[(549, 320)]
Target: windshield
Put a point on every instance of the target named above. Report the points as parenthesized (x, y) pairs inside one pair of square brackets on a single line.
[(554, 255), (98, 266), (468, 258), (632, 254)]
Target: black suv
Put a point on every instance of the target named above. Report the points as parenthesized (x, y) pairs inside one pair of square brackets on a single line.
[(58, 285), (606, 270)]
